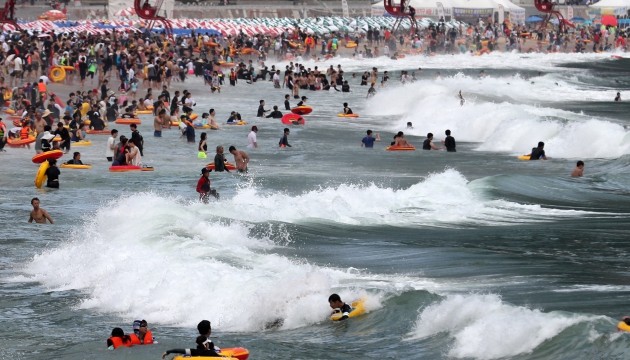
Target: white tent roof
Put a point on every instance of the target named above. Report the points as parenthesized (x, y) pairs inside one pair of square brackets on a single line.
[(474, 4), (511, 7), (612, 4), (427, 8)]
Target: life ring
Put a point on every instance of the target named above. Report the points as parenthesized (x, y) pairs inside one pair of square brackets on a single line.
[(302, 110), (144, 112), (17, 142), (128, 121), (247, 51), (237, 123), (483, 51), (56, 138), (87, 122), (68, 68), (17, 122), (57, 74), (82, 143), (400, 148), (206, 126), (99, 132), (348, 115), (193, 116), (40, 158), (293, 44), (358, 308), (351, 44), (40, 176), (9, 111), (7, 94), (292, 119), (75, 166), (211, 43), (125, 168), (228, 165), (227, 64), (174, 123)]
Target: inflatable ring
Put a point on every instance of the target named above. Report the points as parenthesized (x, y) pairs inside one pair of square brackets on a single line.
[(348, 115), (174, 123), (20, 142), (68, 68), (207, 126), (302, 110), (9, 111), (82, 143), (57, 74), (237, 123), (525, 157), (227, 64), (17, 122), (125, 168), (622, 326), (228, 165), (57, 138), (75, 166), (292, 119), (40, 158), (351, 44), (41, 174), (358, 308), (128, 121), (193, 116), (144, 112), (400, 148), (99, 132)]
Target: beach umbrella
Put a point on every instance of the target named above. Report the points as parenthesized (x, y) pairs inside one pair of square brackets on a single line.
[(127, 12), (533, 19), (53, 15), (578, 19), (609, 20)]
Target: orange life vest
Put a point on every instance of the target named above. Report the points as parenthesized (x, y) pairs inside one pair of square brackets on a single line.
[(118, 342), (148, 339), (24, 132), (41, 87)]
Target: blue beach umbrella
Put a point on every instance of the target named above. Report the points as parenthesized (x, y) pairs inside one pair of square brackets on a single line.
[(533, 19), (578, 19)]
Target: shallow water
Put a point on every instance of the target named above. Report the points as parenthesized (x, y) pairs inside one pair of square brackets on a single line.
[(471, 255)]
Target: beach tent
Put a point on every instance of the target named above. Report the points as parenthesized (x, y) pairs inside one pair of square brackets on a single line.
[(474, 9), (517, 13), (611, 7), (533, 19), (424, 8)]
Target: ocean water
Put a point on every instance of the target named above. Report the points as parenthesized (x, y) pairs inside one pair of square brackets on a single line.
[(467, 255)]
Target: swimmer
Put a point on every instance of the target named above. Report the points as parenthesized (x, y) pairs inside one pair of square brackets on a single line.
[(203, 187), (141, 333), (461, 99), (284, 140), (400, 141), (204, 348), (371, 91), (339, 306), (76, 159), (346, 109), (579, 169), (409, 125), (428, 143), (449, 142), (618, 97), (538, 152), (241, 159), (38, 214), (368, 140)]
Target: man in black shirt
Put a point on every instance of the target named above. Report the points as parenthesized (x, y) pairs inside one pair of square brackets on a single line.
[(275, 114), (449, 142), (287, 106), (538, 152), (137, 138), (261, 109)]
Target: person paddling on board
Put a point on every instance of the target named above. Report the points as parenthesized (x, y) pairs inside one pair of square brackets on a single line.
[(538, 152), (346, 109), (204, 348), (400, 141), (339, 307)]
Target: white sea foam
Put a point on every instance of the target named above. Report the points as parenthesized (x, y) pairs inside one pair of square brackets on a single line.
[(155, 258), (485, 327), (496, 60), (512, 127), (442, 199)]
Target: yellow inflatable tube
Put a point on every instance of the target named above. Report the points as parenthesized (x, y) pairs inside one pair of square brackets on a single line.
[(358, 308), (75, 166), (41, 174), (82, 143)]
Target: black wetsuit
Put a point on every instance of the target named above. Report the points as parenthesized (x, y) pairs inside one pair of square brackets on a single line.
[(287, 106), (276, 114), (347, 111), (426, 145), (53, 177), (219, 163), (284, 141), (261, 111), (345, 310), (537, 153), (449, 143)]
